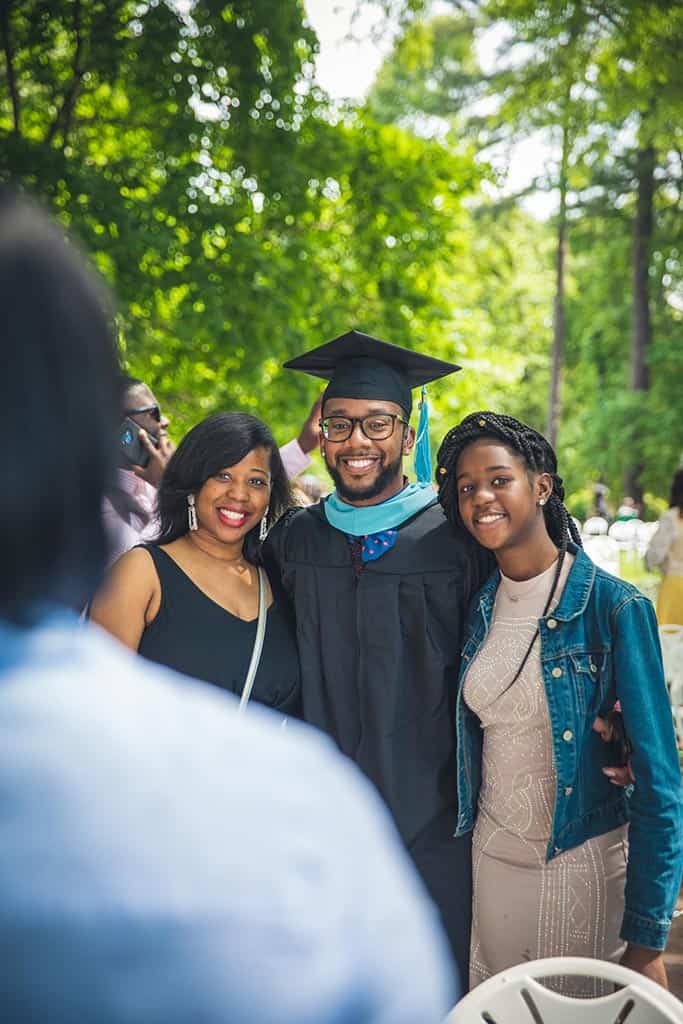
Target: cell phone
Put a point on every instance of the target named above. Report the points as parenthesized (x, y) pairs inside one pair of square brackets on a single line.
[(130, 445)]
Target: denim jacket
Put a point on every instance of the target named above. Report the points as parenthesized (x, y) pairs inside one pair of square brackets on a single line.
[(600, 644)]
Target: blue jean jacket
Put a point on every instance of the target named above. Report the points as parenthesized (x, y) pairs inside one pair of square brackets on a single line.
[(599, 645)]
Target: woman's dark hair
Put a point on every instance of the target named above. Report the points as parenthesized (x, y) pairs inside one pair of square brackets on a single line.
[(219, 441), (676, 499), (58, 415)]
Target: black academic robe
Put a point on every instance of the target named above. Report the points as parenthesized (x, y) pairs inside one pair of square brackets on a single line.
[(379, 662)]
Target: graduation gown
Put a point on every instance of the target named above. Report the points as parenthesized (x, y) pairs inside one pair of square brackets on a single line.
[(379, 663)]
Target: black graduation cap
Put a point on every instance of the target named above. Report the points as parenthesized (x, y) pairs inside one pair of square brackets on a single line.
[(359, 366)]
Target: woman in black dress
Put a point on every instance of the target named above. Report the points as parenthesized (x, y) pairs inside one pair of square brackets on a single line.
[(189, 600)]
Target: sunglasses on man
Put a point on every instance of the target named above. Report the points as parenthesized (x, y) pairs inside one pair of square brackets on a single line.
[(153, 410)]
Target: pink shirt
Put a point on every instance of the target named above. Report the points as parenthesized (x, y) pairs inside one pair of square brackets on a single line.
[(294, 458), (125, 535)]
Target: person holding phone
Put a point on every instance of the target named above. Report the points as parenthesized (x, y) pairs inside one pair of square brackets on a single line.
[(150, 446), (144, 450), (190, 598), (552, 642)]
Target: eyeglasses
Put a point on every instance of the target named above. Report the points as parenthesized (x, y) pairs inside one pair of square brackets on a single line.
[(376, 428), (153, 410)]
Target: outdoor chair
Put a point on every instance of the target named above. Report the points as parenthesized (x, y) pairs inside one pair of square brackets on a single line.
[(595, 526), (624, 531), (602, 550), (515, 996)]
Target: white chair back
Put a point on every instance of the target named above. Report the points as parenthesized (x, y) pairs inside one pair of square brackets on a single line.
[(624, 531), (595, 526), (602, 550), (515, 996)]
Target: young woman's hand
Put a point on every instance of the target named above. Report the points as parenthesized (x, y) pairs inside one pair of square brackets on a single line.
[(648, 962), (619, 775)]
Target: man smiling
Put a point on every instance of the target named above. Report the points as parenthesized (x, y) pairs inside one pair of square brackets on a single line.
[(380, 584), (366, 463)]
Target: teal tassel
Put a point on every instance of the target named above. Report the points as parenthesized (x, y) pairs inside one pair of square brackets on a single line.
[(423, 455)]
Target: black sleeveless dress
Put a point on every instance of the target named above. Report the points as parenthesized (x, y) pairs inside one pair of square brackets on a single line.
[(194, 635)]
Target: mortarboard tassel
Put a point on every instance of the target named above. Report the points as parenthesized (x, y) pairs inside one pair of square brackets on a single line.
[(422, 463)]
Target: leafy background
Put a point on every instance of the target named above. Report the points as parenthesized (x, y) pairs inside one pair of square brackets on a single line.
[(242, 216)]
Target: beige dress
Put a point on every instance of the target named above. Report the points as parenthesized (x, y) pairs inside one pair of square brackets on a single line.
[(523, 907)]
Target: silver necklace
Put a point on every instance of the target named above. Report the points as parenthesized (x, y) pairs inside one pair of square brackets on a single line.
[(520, 593)]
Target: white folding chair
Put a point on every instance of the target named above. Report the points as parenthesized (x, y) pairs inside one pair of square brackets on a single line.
[(604, 551), (515, 996)]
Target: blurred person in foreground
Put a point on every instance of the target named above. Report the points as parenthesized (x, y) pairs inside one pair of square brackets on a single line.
[(162, 858), (665, 552)]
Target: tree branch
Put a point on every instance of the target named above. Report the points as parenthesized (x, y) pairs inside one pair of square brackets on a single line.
[(9, 57), (64, 115)]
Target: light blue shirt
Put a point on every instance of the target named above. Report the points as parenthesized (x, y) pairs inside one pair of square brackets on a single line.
[(164, 860)]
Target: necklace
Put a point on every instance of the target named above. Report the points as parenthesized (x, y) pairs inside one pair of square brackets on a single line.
[(556, 578), (515, 590), (238, 564)]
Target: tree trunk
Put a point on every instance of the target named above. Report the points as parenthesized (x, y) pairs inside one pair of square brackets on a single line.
[(641, 326), (559, 320), (9, 61)]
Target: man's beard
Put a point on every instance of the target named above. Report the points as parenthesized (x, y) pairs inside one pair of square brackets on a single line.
[(383, 479)]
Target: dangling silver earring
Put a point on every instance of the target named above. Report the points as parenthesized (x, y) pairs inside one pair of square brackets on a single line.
[(191, 512), (263, 530)]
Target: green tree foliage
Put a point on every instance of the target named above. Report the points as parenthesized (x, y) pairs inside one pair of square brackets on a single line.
[(154, 135), (239, 216), (242, 217), (603, 85)]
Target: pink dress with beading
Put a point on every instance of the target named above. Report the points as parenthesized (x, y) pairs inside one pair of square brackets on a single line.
[(524, 907)]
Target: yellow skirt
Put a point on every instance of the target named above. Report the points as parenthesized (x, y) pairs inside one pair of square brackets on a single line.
[(670, 601)]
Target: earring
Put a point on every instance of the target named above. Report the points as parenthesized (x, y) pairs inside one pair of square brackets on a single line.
[(541, 502), (191, 513), (263, 529)]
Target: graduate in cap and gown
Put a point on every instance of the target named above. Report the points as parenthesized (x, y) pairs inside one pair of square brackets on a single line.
[(380, 585)]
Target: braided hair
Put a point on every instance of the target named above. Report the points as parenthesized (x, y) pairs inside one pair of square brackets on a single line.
[(524, 441), (539, 457)]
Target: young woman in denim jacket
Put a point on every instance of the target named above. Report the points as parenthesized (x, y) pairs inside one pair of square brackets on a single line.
[(553, 642)]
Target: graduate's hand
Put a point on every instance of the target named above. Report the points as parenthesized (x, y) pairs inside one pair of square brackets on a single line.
[(648, 962), (619, 775)]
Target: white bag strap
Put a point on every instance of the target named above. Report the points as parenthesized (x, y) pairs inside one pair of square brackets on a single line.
[(258, 641)]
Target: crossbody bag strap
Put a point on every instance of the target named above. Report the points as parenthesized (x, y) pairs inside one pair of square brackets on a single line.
[(258, 642)]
